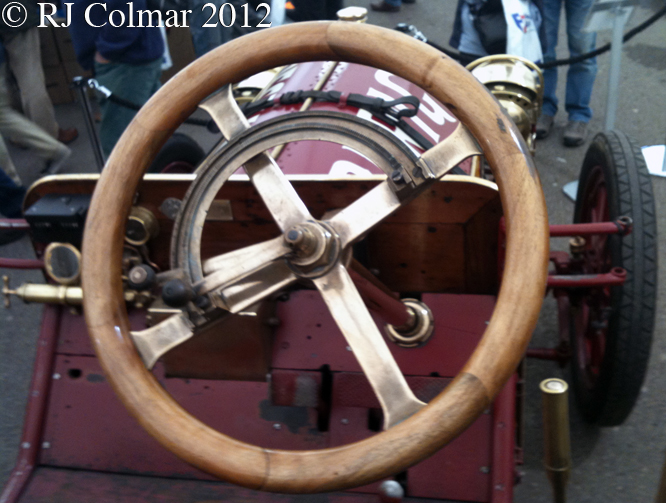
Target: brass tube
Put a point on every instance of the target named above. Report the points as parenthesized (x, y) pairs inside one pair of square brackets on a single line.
[(557, 444), (50, 294), (53, 294)]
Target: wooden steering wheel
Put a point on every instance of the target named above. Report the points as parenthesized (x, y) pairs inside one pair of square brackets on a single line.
[(415, 430)]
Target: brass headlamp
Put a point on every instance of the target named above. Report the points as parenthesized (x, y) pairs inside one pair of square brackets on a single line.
[(517, 83)]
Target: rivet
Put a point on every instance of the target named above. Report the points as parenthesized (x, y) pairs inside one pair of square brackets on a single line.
[(46, 445), (25, 445), (344, 421), (56, 376), (277, 426), (484, 469)]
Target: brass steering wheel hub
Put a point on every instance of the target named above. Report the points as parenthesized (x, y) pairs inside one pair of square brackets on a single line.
[(315, 248)]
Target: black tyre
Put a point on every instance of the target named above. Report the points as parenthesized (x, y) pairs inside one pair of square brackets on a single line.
[(180, 154), (612, 327)]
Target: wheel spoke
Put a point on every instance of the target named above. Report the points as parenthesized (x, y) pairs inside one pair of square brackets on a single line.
[(223, 109), (254, 287), (153, 342), (345, 304), (450, 152), (231, 267), (277, 193), (363, 214)]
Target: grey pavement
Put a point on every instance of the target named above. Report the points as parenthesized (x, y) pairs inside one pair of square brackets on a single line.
[(620, 464)]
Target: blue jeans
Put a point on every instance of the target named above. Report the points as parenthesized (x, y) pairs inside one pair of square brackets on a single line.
[(135, 83), (580, 77), (207, 38)]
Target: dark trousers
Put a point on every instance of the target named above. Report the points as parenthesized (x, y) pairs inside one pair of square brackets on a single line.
[(11, 197)]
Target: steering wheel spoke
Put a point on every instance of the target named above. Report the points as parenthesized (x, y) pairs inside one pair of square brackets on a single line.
[(153, 342), (363, 214), (277, 193), (254, 287), (447, 154), (231, 267), (352, 317)]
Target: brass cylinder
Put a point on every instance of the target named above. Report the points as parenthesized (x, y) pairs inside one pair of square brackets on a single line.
[(557, 443), (55, 294), (50, 294), (142, 226)]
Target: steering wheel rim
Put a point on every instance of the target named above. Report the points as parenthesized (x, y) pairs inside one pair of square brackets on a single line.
[(484, 375)]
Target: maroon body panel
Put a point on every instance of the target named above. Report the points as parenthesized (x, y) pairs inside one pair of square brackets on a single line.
[(56, 485), (88, 429), (433, 120)]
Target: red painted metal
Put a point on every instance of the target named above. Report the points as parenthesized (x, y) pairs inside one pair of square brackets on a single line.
[(295, 388), (11, 224), (504, 443), (36, 410), (388, 308), (561, 260), (80, 486), (309, 338), (433, 120), (87, 428), (589, 229), (615, 277), (560, 354), (543, 353), (21, 263)]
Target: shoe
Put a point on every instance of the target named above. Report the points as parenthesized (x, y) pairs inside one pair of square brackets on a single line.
[(544, 125), (384, 7), (67, 135), (575, 133), (54, 165)]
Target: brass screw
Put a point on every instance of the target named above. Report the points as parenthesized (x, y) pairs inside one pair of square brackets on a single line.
[(7, 292), (577, 245)]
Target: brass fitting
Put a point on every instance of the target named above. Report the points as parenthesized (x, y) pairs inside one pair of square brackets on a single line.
[(576, 246), (417, 330), (518, 85), (141, 227), (353, 14), (54, 294), (557, 443)]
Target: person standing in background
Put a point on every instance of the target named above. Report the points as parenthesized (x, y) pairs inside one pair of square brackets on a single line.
[(126, 60), (25, 63), (580, 76), (11, 201), (389, 5), (27, 133), (313, 10)]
